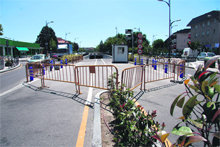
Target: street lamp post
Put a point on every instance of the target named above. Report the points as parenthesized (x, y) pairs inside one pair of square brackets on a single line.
[(169, 5), (47, 43), (66, 35), (171, 25), (49, 22)]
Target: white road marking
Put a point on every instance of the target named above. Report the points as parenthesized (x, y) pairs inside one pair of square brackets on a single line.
[(16, 88), (89, 96)]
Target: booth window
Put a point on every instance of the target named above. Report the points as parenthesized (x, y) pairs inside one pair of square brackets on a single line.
[(121, 50)]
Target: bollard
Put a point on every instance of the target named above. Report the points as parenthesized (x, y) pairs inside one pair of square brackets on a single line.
[(66, 61), (147, 61), (142, 62), (51, 66), (61, 62), (31, 73), (43, 69), (166, 67), (181, 70), (155, 65), (135, 61)]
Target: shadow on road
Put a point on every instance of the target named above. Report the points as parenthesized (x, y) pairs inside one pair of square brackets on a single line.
[(72, 96)]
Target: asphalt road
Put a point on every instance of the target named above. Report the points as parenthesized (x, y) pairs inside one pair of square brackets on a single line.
[(12, 78), (54, 116)]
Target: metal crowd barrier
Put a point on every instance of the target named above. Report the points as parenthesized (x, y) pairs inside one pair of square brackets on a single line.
[(96, 76), (132, 77), (159, 71)]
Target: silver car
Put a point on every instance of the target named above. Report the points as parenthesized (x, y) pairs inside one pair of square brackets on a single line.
[(202, 55)]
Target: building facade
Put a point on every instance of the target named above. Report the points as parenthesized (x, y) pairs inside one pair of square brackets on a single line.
[(180, 40), (18, 48), (205, 29)]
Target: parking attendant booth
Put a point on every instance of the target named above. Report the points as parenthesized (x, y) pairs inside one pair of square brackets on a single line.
[(120, 54)]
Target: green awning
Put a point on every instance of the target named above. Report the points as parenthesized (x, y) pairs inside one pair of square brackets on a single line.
[(23, 49)]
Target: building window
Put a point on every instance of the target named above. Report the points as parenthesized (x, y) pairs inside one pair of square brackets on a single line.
[(203, 33), (208, 23), (196, 35), (203, 25), (196, 26), (214, 20), (207, 33)]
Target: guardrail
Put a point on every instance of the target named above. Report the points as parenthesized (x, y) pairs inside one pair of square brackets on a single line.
[(97, 76)]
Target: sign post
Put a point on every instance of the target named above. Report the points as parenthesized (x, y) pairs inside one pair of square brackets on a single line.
[(140, 41)]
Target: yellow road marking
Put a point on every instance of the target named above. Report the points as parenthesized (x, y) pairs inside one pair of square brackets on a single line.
[(82, 130)]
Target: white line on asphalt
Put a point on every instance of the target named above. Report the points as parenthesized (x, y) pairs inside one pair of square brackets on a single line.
[(103, 61), (15, 88), (12, 89), (89, 96)]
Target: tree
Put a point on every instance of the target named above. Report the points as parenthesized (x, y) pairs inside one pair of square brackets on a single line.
[(75, 46), (100, 47), (194, 45), (158, 46), (1, 30), (45, 38)]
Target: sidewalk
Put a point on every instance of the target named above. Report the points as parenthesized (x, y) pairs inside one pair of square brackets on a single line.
[(195, 65), (5, 69)]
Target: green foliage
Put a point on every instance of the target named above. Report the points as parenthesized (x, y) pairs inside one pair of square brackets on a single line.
[(194, 45), (45, 37), (132, 126), (8, 62), (158, 46), (200, 107), (71, 58), (1, 30), (106, 46)]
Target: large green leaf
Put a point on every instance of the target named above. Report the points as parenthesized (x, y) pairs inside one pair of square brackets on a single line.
[(194, 88), (181, 102), (189, 105), (204, 85), (196, 123), (210, 62), (174, 104), (182, 131), (217, 88), (212, 78), (209, 104)]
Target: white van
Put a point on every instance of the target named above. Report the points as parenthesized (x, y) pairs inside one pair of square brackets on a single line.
[(189, 53)]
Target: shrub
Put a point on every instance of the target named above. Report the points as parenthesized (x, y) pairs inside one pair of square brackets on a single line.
[(200, 109), (8, 63), (132, 126), (71, 58)]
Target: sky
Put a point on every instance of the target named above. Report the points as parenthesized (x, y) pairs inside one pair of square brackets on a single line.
[(87, 22)]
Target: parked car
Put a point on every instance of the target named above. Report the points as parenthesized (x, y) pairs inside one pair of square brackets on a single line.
[(38, 58), (189, 53), (202, 55)]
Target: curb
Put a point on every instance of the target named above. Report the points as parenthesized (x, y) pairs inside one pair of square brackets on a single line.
[(2, 71), (97, 135)]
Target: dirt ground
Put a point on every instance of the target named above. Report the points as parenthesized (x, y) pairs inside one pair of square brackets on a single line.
[(106, 118)]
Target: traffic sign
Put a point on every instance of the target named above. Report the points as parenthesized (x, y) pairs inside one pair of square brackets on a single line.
[(140, 51), (140, 46), (140, 35), (140, 41)]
